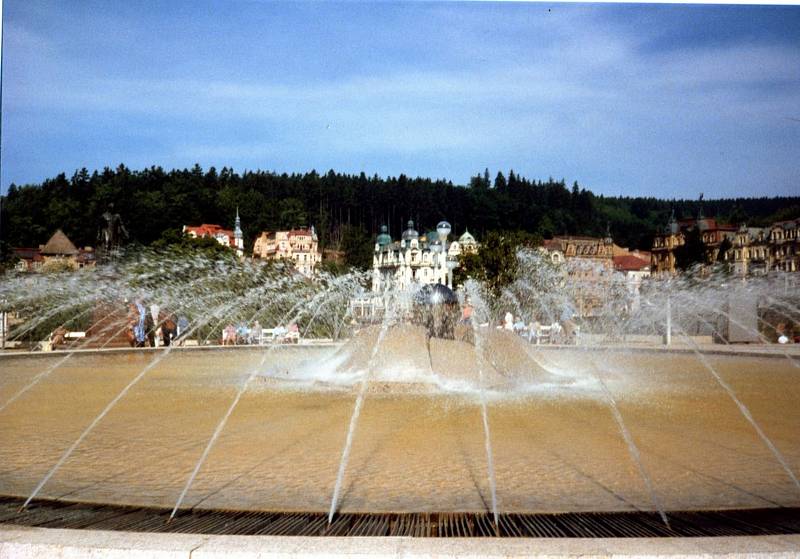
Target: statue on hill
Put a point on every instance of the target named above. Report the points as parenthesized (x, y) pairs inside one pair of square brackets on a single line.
[(110, 234)]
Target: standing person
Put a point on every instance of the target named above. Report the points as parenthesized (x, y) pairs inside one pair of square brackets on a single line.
[(242, 334), (139, 324), (154, 332), (508, 322), (183, 327), (466, 313), (570, 331), (229, 335), (131, 319), (533, 331), (255, 333), (169, 327), (149, 327), (555, 333)]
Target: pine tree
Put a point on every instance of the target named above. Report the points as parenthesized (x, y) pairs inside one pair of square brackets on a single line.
[(500, 182)]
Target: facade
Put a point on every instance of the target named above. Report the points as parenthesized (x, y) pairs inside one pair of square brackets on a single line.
[(712, 233), (415, 259), (751, 250), (759, 250), (585, 253), (662, 254), (233, 239), (467, 243), (301, 246), (29, 259), (589, 263), (635, 267)]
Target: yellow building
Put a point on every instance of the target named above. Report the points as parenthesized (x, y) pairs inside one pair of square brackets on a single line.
[(751, 250), (759, 250), (301, 246), (589, 263)]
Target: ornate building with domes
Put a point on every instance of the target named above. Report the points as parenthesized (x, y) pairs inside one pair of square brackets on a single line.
[(422, 259)]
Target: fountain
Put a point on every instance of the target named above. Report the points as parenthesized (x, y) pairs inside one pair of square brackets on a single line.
[(420, 415)]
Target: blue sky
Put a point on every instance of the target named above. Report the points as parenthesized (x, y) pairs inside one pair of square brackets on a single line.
[(664, 100)]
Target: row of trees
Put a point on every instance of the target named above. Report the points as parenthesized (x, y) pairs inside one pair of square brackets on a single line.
[(347, 210)]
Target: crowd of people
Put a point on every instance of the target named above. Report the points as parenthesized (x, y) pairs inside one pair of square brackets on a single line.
[(154, 327), (564, 331), (254, 334)]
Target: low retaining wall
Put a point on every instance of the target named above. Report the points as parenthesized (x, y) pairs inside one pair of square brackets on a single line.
[(650, 339), (176, 349)]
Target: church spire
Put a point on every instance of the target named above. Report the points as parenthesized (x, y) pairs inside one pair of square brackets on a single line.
[(238, 238)]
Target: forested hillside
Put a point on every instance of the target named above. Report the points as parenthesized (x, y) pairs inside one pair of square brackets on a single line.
[(152, 201)]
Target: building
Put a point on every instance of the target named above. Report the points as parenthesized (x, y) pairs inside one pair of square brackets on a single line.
[(585, 252), (301, 246), (750, 250), (58, 253), (634, 266), (467, 243), (415, 259), (759, 250), (225, 237), (673, 236), (662, 254), (29, 259), (589, 264)]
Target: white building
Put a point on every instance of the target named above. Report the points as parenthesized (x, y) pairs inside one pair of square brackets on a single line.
[(635, 266), (413, 259)]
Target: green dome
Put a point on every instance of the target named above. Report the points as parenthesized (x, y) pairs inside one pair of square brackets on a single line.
[(384, 238)]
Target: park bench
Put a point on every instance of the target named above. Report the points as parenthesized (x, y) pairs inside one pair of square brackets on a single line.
[(543, 335)]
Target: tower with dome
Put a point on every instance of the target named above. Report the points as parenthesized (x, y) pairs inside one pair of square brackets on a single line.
[(417, 259)]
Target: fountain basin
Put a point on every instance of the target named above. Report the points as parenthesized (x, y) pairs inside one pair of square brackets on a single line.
[(418, 448)]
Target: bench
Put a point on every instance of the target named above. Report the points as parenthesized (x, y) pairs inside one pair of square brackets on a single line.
[(543, 334)]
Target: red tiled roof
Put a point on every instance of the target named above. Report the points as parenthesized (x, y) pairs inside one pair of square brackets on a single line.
[(629, 262), (210, 230)]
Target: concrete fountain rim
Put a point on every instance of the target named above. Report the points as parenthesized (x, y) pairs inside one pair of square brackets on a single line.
[(744, 350), (49, 542)]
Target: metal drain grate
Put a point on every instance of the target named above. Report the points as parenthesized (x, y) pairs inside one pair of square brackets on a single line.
[(63, 514)]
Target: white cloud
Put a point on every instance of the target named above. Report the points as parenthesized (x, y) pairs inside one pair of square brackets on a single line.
[(586, 95)]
